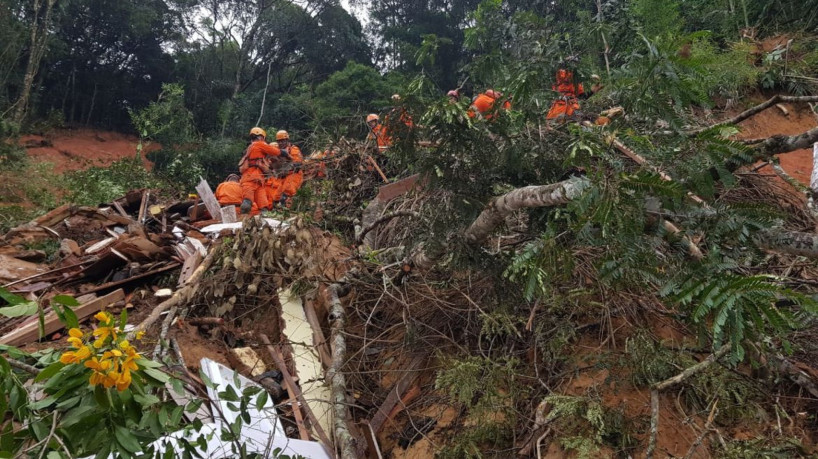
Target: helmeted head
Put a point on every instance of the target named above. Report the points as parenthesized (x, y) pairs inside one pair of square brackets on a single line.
[(282, 138), (232, 178), (372, 119), (258, 132), (395, 97), (453, 95), (493, 94)]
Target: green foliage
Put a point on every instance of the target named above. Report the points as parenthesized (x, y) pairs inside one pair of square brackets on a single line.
[(762, 448), (166, 120), (658, 17), (487, 389), (584, 425), (648, 361), (98, 185)]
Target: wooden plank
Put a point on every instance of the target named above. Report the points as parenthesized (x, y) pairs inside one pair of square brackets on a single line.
[(228, 214), (294, 391), (144, 275), (396, 393), (55, 216), (191, 263), (209, 199), (146, 195), (388, 192), (119, 209), (318, 338), (28, 332)]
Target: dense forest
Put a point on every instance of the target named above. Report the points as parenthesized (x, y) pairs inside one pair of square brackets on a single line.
[(637, 280)]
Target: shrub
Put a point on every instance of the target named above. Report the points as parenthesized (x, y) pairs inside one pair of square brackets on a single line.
[(103, 184)]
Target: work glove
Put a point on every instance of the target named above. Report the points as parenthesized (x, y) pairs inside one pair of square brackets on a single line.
[(286, 155), (283, 200), (246, 206)]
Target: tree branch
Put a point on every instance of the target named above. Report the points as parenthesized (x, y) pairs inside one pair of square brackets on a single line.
[(383, 219), (531, 196)]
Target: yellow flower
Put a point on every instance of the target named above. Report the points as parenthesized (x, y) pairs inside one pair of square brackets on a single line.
[(112, 353), (111, 379), (75, 342), (140, 334), (123, 381), (75, 333), (97, 378), (95, 364), (102, 333), (103, 316), (76, 356), (124, 345)]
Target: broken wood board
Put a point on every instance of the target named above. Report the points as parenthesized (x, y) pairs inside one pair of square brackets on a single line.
[(228, 214), (388, 192), (191, 263), (308, 365), (246, 361), (28, 332), (209, 199), (13, 269), (396, 392), (114, 284), (318, 338)]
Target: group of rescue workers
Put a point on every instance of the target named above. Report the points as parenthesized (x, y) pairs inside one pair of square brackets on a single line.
[(272, 173)]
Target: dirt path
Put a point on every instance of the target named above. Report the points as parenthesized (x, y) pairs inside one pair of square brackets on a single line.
[(76, 149)]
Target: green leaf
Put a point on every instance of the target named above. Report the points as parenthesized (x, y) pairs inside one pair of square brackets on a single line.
[(123, 319), (49, 371), (71, 320), (66, 300), (261, 400), (146, 400), (18, 310), (77, 415), (193, 405), (126, 439), (11, 298), (101, 396), (157, 375)]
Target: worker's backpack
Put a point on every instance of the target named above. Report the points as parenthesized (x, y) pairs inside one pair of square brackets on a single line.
[(246, 163)]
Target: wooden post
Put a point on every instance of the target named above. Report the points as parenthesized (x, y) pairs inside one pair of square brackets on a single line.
[(209, 199)]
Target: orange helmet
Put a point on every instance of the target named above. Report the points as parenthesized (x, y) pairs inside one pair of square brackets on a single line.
[(493, 94), (372, 117), (282, 135), (258, 131)]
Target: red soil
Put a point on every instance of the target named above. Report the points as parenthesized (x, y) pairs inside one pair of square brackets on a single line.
[(773, 121), (71, 150)]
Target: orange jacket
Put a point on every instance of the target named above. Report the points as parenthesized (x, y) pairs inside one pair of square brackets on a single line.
[(566, 104), (256, 153), (484, 104), (565, 84), (380, 135), (229, 193), (294, 180)]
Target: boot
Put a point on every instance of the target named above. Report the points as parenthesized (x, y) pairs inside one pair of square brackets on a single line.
[(246, 206)]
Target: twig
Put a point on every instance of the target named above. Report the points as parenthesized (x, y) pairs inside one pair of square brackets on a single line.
[(670, 382), (50, 435), (23, 366), (163, 334), (708, 426)]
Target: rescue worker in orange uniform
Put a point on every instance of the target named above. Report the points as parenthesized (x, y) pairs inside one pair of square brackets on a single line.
[(567, 101), (484, 104), (292, 181), (253, 165), (378, 132), (229, 193)]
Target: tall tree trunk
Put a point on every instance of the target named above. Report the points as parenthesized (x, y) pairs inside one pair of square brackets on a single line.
[(39, 39)]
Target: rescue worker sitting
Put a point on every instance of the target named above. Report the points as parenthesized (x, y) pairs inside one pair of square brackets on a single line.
[(483, 104), (229, 193), (291, 178), (377, 131), (253, 166)]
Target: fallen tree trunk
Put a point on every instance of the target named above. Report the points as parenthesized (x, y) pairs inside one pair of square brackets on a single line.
[(791, 242), (528, 197), (337, 316)]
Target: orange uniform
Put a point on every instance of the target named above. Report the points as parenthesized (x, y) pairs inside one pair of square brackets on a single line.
[(567, 102), (252, 179), (484, 103), (294, 179), (381, 136), (230, 194)]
